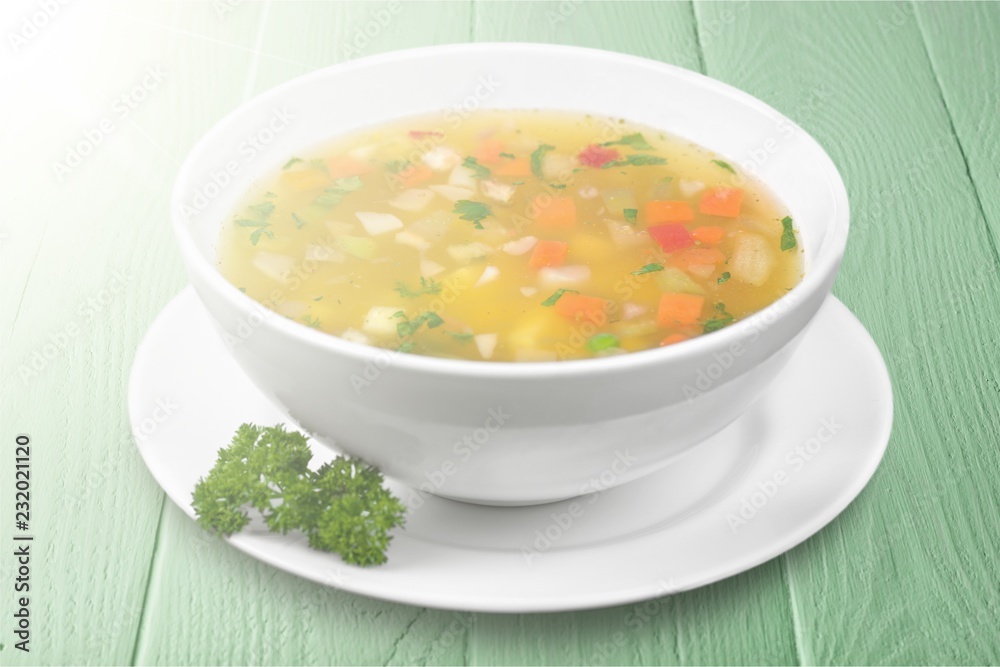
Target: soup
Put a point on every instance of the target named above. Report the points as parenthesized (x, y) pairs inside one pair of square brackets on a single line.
[(512, 236)]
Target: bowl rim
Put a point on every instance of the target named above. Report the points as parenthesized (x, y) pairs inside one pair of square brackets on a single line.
[(822, 268)]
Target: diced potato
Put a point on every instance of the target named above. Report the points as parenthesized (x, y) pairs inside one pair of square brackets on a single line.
[(466, 253), (406, 237), (558, 167), (361, 247), (415, 199), (529, 291), (275, 266), (429, 268), (752, 260), (701, 270), (672, 279), (453, 192), (378, 223), (463, 177), (588, 192), (381, 321), (626, 235)]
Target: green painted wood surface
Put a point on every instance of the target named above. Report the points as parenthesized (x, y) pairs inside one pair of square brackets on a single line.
[(905, 99)]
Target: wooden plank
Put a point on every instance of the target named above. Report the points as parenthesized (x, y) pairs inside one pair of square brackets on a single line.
[(229, 607), (89, 277), (908, 573), (962, 43), (744, 620)]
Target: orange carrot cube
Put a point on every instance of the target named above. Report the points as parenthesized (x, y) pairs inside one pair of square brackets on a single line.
[(708, 235), (548, 253), (659, 211), (520, 166), (578, 307), (679, 309), (724, 202), (672, 339), (488, 151)]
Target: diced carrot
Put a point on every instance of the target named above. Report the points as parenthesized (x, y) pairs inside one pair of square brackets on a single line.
[(724, 202), (579, 307), (488, 151), (678, 308), (658, 211), (672, 237), (519, 166), (415, 175), (341, 166), (554, 212), (708, 235), (672, 338), (548, 253), (693, 256), (306, 179)]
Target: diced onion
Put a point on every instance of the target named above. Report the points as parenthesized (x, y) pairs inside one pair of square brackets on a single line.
[(587, 192), (356, 336), (490, 273), (469, 252), (520, 246), (497, 191), (378, 223), (441, 158), (430, 268), (462, 176), (529, 291), (690, 188), (633, 310), (381, 321), (564, 275), (486, 343)]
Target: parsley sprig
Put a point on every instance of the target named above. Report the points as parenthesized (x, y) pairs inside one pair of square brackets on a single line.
[(341, 507)]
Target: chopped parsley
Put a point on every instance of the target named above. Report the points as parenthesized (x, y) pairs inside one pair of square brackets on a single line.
[(299, 222), (630, 214), (649, 268), (479, 171), (341, 507), (787, 234), (557, 186), (473, 211), (461, 336), (397, 166), (341, 187), (509, 156), (536, 160), (294, 160), (636, 141), (638, 160), (311, 321), (724, 277), (723, 319), (551, 301), (724, 165), (426, 287), (408, 327), (258, 220)]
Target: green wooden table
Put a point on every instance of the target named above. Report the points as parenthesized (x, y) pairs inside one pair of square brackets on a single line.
[(905, 99)]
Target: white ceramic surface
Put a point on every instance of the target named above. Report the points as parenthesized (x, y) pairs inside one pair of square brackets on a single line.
[(767, 482), (567, 421)]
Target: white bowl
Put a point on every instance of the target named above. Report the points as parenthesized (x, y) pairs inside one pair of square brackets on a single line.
[(509, 433)]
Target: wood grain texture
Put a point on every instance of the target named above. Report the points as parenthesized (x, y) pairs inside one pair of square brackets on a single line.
[(904, 98), (908, 573)]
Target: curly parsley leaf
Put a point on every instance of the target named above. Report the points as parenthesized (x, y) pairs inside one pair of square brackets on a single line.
[(723, 319), (426, 287), (724, 165), (638, 160), (342, 507), (630, 214), (551, 301), (724, 277), (341, 187), (649, 268), (479, 171)]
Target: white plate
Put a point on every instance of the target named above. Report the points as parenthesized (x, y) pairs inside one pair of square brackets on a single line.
[(761, 486)]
